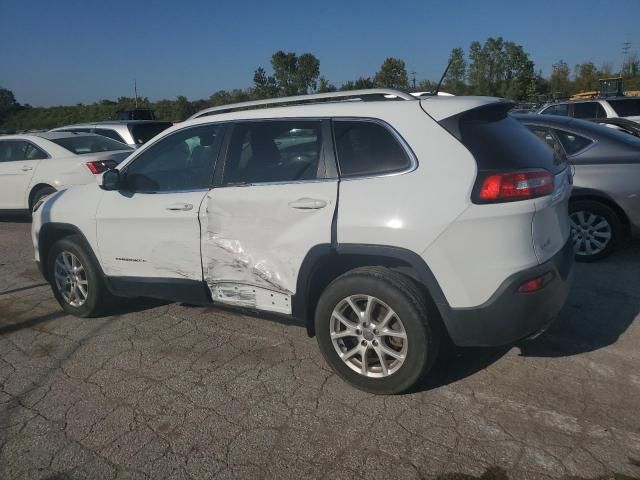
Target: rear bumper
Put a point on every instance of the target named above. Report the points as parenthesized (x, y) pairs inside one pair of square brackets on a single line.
[(509, 316)]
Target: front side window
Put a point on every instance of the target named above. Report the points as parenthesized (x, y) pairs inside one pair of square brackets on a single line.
[(368, 148), (181, 161), (560, 109), (274, 151), (571, 142), (83, 144), (17, 150)]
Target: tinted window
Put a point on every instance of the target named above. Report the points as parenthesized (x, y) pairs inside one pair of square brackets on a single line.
[(588, 110), (571, 142), (83, 144), (15, 150), (629, 107), (547, 137), (368, 148), (144, 132), (112, 134), (76, 130), (181, 161), (274, 151), (560, 109)]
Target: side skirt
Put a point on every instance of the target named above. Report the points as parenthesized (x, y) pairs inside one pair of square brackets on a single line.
[(194, 292)]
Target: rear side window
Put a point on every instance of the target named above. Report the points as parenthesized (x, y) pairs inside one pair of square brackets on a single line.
[(627, 107), (16, 150), (83, 144), (112, 134), (273, 151), (571, 142), (368, 148), (547, 137), (588, 110), (560, 109), (144, 132)]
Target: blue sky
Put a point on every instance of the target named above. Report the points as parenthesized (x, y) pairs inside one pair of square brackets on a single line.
[(71, 51)]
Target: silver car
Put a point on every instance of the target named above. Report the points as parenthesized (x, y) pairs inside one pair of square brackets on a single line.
[(605, 203), (132, 132)]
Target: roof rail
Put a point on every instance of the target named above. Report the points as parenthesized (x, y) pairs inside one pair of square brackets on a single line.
[(382, 93)]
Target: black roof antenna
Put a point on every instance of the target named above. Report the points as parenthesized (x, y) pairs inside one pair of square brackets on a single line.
[(437, 89)]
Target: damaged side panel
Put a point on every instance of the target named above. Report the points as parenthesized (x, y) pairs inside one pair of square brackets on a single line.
[(254, 241)]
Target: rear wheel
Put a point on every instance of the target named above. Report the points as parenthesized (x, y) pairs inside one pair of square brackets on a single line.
[(373, 328), (596, 229), (75, 279)]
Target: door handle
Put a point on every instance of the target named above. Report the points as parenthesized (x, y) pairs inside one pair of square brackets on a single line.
[(26, 168), (308, 204), (180, 207)]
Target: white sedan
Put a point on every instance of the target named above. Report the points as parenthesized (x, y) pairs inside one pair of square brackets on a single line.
[(33, 166)]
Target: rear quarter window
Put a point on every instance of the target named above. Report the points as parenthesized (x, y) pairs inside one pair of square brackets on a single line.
[(367, 148), (144, 132)]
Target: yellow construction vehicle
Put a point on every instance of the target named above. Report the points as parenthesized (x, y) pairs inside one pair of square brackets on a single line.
[(609, 87)]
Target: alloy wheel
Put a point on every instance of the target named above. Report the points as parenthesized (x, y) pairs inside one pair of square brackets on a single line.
[(368, 336), (591, 233), (71, 279)]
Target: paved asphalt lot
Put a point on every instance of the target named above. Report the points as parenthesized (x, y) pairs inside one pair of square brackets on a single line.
[(171, 391)]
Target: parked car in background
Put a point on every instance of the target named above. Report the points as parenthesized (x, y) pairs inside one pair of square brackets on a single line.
[(611, 107), (340, 213), (605, 203), (132, 132), (36, 165)]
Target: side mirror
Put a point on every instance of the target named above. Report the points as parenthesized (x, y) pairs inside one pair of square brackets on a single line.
[(111, 180)]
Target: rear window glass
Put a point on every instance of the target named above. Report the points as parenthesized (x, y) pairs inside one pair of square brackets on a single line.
[(144, 132), (628, 107), (499, 142), (368, 148), (83, 144)]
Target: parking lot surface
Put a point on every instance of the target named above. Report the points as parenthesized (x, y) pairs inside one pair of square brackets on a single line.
[(171, 391)]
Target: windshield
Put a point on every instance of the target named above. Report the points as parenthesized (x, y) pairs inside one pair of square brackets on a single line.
[(626, 107), (144, 132), (83, 144)]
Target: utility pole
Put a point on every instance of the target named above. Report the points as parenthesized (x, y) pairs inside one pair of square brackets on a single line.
[(135, 91), (413, 79)]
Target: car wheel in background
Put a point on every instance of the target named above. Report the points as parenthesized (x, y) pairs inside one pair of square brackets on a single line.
[(39, 194), (374, 329), (596, 229)]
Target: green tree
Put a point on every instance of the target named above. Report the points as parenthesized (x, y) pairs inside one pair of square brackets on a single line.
[(306, 73), (264, 86), (392, 74), (586, 77), (559, 81), (454, 80), (361, 83), (8, 104), (292, 75), (631, 66), (426, 86), (325, 86)]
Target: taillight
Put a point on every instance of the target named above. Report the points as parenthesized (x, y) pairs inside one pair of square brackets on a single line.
[(99, 166), (511, 186)]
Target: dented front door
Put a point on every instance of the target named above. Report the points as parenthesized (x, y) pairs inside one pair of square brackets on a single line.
[(271, 207)]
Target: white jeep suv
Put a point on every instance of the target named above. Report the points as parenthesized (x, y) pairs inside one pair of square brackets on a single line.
[(385, 224)]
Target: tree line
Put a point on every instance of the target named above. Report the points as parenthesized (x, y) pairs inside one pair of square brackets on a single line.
[(496, 67)]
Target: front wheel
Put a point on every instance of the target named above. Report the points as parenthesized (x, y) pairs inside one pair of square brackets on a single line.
[(596, 230), (74, 278), (374, 329)]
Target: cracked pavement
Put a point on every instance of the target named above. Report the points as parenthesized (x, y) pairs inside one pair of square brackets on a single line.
[(170, 391)]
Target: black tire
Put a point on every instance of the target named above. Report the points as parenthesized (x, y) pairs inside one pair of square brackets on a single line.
[(399, 293), (41, 192), (98, 296), (581, 237)]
